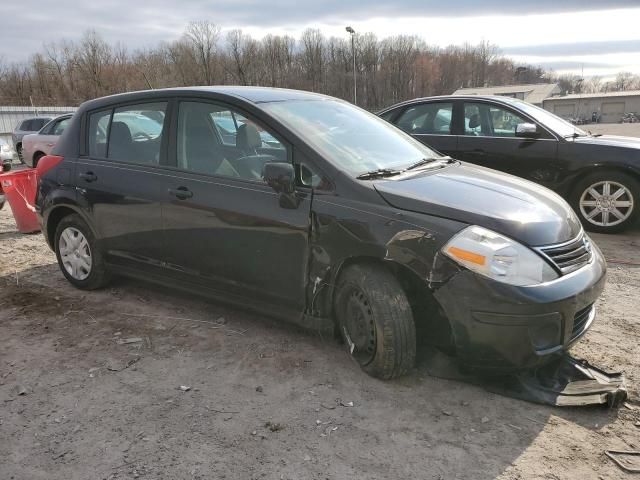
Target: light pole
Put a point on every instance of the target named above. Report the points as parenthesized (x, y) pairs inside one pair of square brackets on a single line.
[(353, 53)]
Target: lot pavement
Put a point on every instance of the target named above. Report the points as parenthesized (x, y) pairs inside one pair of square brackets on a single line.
[(622, 129), (90, 388)]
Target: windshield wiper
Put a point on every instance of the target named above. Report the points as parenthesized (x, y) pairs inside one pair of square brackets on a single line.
[(379, 173), (425, 161)]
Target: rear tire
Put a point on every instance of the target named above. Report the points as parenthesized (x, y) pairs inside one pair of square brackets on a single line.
[(19, 152), (375, 321), (79, 256), (607, 201), (37, 158)]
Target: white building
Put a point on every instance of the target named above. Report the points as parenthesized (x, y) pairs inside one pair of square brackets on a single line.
[(609, 107), (534, 93)]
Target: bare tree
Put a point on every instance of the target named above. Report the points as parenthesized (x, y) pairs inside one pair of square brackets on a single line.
[(388, 70), (202, 37)]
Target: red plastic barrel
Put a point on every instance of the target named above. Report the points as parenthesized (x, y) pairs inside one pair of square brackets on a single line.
[(20, 190)]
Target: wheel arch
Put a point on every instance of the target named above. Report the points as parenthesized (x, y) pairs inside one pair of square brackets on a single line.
[(37, 155), (429, 317), (56, 214), (587, 171)]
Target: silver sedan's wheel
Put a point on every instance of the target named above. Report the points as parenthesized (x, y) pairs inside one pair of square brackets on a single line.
[(75, 253), (606, 203)]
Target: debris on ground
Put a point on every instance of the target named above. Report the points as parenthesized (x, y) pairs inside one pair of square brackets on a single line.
[(126, 341), (115, 365), (274, 427), (185, 388), (19, 390), (259, 389), (629, 460)]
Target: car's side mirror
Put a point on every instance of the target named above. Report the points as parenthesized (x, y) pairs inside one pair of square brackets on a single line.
[(280, 176), (527, 130)]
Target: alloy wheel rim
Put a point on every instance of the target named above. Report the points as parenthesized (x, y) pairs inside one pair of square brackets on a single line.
[(75, 253), (360, 330), (606, 203)]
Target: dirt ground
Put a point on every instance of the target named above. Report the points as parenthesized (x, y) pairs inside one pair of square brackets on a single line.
[(90, 388)]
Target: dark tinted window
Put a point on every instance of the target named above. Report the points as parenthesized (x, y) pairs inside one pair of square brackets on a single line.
[(135, 133), (387, 115), (216, 140), (38, 123), (25, 125), (428, 118), (98, 126)]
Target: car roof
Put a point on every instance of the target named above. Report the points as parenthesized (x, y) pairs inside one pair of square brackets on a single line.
[(494, 98), (251, 94)]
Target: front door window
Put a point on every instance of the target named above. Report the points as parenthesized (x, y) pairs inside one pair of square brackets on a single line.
[(486, 120)]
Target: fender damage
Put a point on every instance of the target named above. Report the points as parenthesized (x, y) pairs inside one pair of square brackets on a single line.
[(404, 241)]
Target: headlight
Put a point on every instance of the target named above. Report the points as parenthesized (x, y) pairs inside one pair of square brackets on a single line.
[(498, 257), (5, 148)]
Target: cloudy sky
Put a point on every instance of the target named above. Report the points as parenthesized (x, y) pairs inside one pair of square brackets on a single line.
[(598, 37)]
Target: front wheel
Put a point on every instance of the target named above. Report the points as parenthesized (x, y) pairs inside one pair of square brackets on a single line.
[(375, 321), (79, 256), (607, 202)]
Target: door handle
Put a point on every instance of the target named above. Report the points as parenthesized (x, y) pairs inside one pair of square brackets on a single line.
[(50, 144), (88, 177), (181, 193)]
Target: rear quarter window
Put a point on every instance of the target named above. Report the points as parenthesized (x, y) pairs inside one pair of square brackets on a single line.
[(97, 133)]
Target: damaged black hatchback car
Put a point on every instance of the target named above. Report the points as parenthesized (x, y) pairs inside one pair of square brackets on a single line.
[(306, 207)]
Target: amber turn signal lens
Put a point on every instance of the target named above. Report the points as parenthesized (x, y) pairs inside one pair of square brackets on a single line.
[(467, 255)]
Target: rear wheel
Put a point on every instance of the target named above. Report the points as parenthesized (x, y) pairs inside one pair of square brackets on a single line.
[(375, 321), (19, 152), (607, 202), (36, 159), (79, 257)]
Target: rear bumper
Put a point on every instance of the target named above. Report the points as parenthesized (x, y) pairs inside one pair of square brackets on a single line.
[(502, 327)]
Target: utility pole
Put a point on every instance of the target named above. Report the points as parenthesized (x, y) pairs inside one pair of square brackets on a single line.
[(353, 53)]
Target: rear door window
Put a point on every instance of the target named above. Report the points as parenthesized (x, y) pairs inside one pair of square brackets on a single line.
[(427, 119), (25, 126), (135, 133)]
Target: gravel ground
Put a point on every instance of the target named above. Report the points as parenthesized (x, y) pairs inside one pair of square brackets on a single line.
[(90, 388)]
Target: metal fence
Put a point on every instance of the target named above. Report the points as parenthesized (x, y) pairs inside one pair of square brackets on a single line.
[(11, 116)]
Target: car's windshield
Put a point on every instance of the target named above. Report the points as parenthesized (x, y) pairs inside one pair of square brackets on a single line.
[(551, 121), (349, 137)]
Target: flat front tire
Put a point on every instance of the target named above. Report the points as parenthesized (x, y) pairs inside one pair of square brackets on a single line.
[(607, 201), (375, 321), (79, 256)]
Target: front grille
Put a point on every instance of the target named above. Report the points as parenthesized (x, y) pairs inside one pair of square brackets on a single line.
[(581, 320), (570, 256)]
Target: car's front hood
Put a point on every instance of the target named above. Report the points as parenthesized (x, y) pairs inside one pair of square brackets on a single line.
[(515, 207), (610, 141)]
